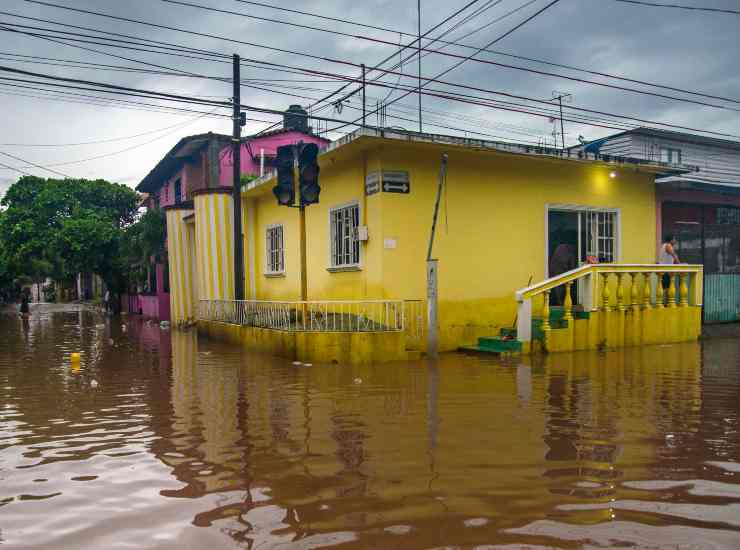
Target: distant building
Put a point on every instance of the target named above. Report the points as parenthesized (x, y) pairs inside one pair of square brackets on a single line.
[(202, 164), (701, 207)]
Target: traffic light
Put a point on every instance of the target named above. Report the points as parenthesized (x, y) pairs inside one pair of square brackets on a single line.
[(308, 174), (285, 189)]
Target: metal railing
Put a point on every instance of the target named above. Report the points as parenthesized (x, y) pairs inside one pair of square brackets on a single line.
[(308, 316)]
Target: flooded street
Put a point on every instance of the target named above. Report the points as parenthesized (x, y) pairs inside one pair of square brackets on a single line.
[(160, 440)]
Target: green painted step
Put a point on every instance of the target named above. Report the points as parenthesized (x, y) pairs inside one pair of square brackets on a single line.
[(494, 344)]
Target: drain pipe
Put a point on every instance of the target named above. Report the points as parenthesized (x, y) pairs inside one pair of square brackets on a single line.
[(432, 313)]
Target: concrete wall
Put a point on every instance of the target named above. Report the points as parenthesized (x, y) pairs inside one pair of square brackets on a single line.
[(491, 235), (347, 348)]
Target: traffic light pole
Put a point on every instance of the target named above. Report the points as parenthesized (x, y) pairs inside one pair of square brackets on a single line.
[(237, 194), (304, 269)]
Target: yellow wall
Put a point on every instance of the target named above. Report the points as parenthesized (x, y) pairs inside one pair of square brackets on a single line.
[(490, 236)]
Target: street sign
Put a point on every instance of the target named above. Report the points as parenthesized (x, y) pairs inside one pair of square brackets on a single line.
[(396, 181), (396, 187), (372, 183)]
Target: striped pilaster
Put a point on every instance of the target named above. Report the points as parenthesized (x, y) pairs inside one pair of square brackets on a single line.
[(214, 235), (180, 250)]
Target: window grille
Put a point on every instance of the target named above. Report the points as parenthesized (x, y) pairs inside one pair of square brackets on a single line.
[(275, 249), (345, 245), (601, 236)]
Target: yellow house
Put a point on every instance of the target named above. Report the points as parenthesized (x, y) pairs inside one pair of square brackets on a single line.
[(517, 226)]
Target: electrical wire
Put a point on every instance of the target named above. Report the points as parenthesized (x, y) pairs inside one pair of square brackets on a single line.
[(456, 42), (34, 164), (357, 65), (113, 153), (99, 141), (15, 169), (679, 6)]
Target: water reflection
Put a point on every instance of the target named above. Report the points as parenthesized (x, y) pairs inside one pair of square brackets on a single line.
[(188, 442)]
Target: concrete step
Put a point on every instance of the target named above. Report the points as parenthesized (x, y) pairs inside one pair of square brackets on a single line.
[(497, 344)]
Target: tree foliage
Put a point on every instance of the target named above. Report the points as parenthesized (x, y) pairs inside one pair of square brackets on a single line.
[(58, 228), (142, 242)]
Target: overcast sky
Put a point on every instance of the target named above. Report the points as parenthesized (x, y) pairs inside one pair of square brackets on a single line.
[(685, 49)]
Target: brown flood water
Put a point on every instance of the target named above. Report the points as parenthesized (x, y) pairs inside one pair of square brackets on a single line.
[(164, 441)]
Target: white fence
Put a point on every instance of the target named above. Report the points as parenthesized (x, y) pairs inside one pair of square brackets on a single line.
[(309, 316)]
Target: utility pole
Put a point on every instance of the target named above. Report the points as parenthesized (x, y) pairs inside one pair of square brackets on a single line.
[(432, 318), (363, 95), (237, 191), (569, 98), (418, 12)]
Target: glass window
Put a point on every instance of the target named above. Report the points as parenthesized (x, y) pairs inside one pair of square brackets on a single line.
[(178, 191), (345, 245), (275, 250), (670, 155)]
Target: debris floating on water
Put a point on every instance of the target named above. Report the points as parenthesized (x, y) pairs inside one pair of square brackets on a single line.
[(358, 380), (94, 383)]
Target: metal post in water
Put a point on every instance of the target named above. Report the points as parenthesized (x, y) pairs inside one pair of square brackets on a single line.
[(432, 268)]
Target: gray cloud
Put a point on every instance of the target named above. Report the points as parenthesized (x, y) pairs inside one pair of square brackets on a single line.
[(673, 47)]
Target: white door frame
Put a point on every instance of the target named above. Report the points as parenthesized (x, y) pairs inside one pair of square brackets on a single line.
[(558, 207)]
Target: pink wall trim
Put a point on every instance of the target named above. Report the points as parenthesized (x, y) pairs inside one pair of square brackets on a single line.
[(269, 144), (192, 174)]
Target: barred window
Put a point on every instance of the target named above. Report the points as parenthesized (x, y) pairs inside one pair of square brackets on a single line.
[(345, 245), (275, 249), (601, 236)]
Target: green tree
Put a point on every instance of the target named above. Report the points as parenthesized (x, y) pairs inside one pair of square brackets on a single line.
[(58, 228), (142, 242)]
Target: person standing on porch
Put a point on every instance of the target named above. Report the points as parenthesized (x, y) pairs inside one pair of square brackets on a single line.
[(668, 256)]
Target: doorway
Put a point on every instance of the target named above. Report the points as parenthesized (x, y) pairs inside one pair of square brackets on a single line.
[(576, 236), (562, 250)]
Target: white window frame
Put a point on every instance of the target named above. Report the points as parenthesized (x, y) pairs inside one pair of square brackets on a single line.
[(274, 254), (617, 229), (350, 266), (670, 153)]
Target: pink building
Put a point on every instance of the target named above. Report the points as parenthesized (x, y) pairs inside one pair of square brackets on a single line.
[(205, 161)]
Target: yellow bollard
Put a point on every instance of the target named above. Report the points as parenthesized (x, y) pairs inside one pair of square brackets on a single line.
[(74, 359)]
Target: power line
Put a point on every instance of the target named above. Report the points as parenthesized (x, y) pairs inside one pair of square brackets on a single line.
[(14, 168), (113, 153), (457, 42), (679, 6), (445, 20), (161, 95), (98, 141), (34, 164), (357, 65), (100, 98), (158, 95)]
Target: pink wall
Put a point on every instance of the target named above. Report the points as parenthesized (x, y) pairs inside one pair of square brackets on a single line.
[(269, 143), (149, 305), (167, 192)]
